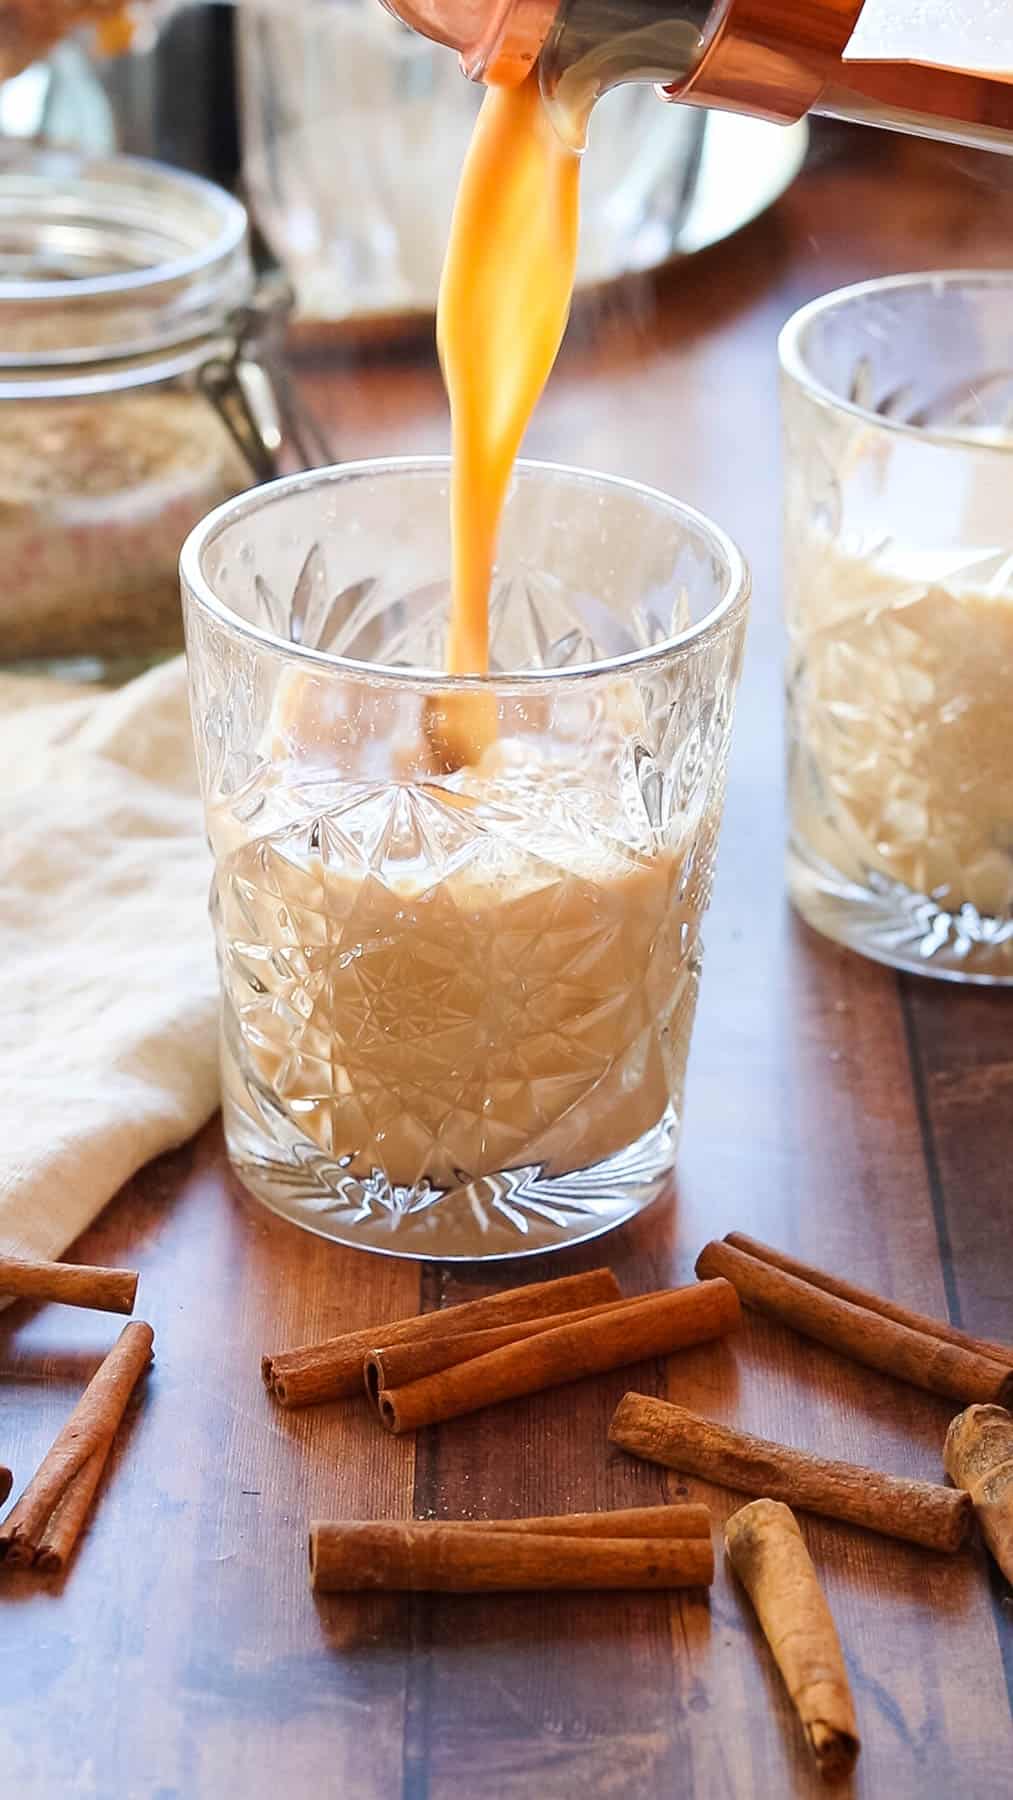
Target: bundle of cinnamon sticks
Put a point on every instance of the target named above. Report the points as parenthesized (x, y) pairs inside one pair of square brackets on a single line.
[(929, 1353), (440, 1365), (43, 1526), (333, 1370)]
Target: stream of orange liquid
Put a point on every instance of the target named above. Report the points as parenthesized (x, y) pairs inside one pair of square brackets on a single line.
[(503, 306)]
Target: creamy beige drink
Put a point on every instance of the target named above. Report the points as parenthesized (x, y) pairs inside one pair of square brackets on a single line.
[(903, 709), (448, 981)]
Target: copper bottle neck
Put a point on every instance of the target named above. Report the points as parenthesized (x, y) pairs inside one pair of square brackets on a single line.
[(769, 58)]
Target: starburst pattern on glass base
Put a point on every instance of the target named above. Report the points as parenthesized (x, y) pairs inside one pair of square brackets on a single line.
[(517, 1212), (892, 924)]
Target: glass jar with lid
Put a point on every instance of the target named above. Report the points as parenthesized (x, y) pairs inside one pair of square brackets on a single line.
[(140, 385)]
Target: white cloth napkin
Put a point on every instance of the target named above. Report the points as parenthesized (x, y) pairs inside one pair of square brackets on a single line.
[(109, 999)]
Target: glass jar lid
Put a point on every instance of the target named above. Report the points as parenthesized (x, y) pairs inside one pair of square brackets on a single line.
[(115, 262)]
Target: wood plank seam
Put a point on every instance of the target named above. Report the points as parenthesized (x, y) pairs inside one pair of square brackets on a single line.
[(937, 1194)]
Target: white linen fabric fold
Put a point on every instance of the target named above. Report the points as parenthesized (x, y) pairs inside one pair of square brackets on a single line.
[(109, 998)]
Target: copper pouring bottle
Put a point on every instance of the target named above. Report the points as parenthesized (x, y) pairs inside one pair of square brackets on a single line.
[(775, 59)]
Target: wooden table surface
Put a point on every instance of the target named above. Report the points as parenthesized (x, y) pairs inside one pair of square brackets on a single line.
[(862, 1119)]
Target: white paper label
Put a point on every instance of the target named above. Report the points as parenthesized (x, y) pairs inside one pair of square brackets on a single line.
[(975, 36)]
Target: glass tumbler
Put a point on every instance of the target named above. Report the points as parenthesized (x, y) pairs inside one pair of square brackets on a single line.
[(898, 419), (456, 1005)]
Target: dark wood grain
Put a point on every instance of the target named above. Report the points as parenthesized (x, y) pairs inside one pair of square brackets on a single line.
[(862, 1121)]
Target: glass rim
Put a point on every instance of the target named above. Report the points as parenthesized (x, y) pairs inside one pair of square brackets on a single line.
[(231, 233), (231, 512), (794, 365)]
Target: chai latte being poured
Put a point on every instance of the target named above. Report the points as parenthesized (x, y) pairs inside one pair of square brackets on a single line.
[(503, 306)]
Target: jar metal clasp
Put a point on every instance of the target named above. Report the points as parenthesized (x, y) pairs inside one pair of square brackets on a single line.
[(248, 385)]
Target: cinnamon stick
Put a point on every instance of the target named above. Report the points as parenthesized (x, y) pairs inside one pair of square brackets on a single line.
[(396, 1364), (6, 1483), (867, 1337), (920, 1512), (332, 1370), (72, 1284), (89, 1430), (420, 1556), (766, 1551), (859, 1296), (979, 1457), (653, 1326)]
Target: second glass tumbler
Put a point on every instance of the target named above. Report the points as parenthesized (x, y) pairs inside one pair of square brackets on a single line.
[(898, 415)]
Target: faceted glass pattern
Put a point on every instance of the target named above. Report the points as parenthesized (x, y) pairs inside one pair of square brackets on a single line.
[(457, 1006), (898, 419)]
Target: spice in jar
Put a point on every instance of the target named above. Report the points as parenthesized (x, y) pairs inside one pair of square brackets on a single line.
[(96, 498)]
